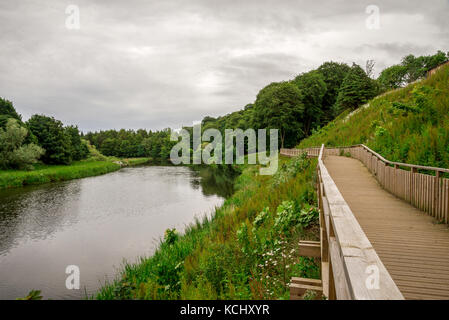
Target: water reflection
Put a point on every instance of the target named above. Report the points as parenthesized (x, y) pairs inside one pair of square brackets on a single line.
[(215, 181), (95, 223)]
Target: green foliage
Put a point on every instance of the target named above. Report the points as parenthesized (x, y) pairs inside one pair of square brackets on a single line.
[(333, 75), (13, 153), (53, 138), (94, 154), (308, 216), (411, 69), (289, 217), (313, 89), (170, 236), (417, 67), (130, 143), (52, 173), (32, 295), (7, 111), (279, 106), (409, 125), (403, 108), (393, 77), (78, 149), (295, 111), (357, 88), (261, 217)]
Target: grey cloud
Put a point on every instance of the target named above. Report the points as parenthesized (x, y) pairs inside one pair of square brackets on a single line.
[(156, 64)]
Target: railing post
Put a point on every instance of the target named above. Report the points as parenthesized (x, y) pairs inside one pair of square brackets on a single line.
[(396, 167), (436, 194), (412, 185)]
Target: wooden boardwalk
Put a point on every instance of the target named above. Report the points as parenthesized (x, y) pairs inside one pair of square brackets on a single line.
[(412, 245)]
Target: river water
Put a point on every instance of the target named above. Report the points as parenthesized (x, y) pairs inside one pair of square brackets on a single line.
[(95, 223)]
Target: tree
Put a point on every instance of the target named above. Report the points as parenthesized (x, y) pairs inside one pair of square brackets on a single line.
[(109, 147), (312, 88), (14, 154), (333, 75), (357, 88), (434, 61), (51, 136), (79, 149), (409, 70), (417, 67), (7, 109), (393, 77), (279, 106)]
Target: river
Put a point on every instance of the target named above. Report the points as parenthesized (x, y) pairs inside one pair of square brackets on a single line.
[(95, 223)]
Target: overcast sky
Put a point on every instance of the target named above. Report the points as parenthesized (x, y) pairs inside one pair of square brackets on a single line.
[(156, 64)]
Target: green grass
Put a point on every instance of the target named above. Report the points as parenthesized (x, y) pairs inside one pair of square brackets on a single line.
[(134, 161), (53, 173), (409, 125), (248, 250)]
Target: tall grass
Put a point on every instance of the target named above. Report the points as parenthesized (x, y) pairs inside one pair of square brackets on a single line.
[(408, 125), (246, 251)]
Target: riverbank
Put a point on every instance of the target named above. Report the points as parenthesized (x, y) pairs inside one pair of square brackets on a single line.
[(247, 250), (54, 173)]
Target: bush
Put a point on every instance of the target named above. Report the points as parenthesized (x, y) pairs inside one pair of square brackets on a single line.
[(170, 236), (13, 154)]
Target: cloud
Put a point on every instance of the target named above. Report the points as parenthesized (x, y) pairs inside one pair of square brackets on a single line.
[(157, 64)]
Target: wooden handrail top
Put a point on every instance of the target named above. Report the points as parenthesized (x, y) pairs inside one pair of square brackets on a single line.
[(400, 164)]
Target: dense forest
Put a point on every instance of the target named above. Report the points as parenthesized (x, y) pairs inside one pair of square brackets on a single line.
[(298, 108)]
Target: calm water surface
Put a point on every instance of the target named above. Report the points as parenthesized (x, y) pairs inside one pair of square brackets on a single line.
[(95, 223)]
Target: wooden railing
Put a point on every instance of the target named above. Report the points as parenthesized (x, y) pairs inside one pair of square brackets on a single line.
[(350, 267), (428, 192), (311, 152), (355, 271)]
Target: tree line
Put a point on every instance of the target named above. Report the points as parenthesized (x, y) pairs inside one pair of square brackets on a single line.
[(410, 70), (132, 143), (42, 138), (309, 101)]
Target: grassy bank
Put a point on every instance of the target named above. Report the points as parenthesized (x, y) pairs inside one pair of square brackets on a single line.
[(408, 125), (53, 173), (134, 161), (248, 250)]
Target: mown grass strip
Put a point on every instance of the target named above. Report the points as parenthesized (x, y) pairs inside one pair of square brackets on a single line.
[(54, 173)]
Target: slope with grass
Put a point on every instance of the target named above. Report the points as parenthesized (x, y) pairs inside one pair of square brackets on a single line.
[(409, 125), (247, 250)]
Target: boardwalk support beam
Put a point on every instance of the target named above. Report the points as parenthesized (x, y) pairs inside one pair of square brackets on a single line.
[(311, 249)]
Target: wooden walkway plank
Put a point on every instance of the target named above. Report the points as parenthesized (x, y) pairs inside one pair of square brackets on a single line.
[(413, 248)]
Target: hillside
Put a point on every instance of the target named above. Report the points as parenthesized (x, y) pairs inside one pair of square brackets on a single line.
[(409, 125)]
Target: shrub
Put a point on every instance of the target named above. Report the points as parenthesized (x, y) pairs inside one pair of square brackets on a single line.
[(170, 236), (13, 154)]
